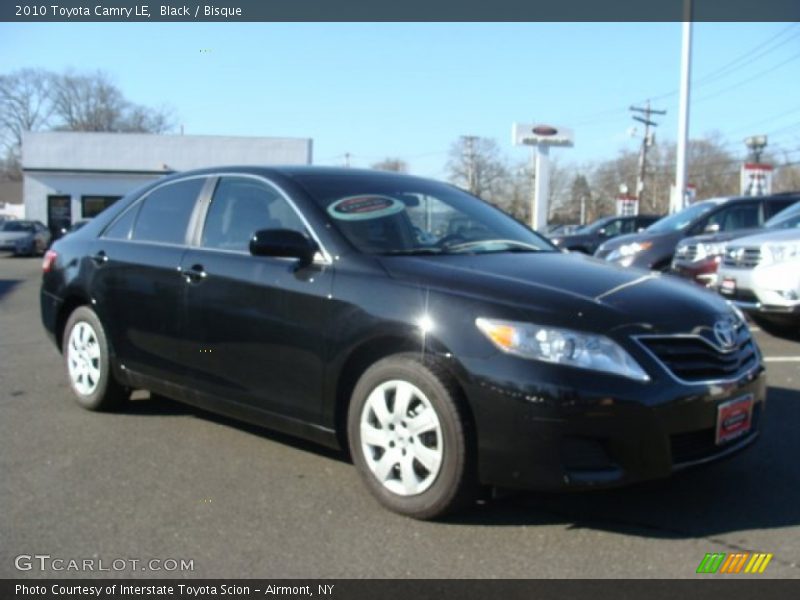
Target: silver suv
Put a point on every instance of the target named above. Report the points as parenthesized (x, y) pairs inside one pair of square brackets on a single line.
[(761, 273)]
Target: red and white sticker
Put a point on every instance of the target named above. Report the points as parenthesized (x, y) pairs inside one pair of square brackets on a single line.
[(371, 206), (728, 285), (734, 418)]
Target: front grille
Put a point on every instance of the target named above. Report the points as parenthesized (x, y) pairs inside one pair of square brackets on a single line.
[(697, 445), (742, 257), (692, 358)]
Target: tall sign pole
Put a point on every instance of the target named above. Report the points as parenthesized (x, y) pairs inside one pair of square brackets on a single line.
[(678, 198), (542, 137)]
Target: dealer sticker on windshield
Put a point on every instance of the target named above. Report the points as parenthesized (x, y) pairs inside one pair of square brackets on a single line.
[(358, 208), (734, 418)]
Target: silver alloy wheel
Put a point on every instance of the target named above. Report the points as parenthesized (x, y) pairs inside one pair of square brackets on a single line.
[(83, 358), (401, 437)]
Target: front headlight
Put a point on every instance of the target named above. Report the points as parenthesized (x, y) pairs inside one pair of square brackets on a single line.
[(627, 250), (561, 346), (778, 253)]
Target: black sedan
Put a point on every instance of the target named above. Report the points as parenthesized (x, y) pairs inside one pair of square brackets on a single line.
[(446, 345), (587, 239)]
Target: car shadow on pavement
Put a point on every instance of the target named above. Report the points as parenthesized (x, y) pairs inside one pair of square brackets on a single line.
[(7, 285), (757, 489), (145, 405)]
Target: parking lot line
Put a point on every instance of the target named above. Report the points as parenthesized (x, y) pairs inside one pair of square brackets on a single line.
[(782, 359)]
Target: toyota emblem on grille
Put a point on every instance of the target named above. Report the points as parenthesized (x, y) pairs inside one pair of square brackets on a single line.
[(725, 333)]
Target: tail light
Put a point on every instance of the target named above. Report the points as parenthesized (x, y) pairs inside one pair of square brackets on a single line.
[(49, 261)]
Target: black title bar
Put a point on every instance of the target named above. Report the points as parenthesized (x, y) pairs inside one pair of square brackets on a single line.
[(399, 10)]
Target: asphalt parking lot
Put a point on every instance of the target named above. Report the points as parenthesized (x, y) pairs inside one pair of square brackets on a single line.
[(166, 481)]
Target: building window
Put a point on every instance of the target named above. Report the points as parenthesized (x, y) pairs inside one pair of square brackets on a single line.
[(91, 206)]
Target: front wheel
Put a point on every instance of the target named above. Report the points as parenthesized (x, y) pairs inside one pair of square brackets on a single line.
[(86, 355), (410, 437)]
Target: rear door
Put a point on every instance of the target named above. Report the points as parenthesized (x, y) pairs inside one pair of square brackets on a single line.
[(255, 325), (136, 282)]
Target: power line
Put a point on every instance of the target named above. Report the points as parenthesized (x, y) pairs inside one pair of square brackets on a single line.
[(749, 79)]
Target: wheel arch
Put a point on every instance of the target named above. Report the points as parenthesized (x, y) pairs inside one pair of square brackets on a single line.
[(372, 350), (72, 300)]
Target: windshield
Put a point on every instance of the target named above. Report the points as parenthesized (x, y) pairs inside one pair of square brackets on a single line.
[(788, 218), (384, 214), (681, 219), (17, 226)]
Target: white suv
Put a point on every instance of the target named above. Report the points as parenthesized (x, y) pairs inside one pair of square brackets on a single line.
[(761, 273)]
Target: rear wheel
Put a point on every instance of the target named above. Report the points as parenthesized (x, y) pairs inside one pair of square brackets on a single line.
[(410, 437), (86, 355)]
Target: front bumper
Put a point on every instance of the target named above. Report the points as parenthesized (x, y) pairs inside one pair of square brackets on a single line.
[(702, 271), (587, 430), (763, 289)]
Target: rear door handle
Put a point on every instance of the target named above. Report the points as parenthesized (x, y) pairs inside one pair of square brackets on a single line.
[(193, 274), (100, 258)]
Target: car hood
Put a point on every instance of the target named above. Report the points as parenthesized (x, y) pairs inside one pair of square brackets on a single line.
[(562, 289), (771, 235), (572, 238), (11, 236)]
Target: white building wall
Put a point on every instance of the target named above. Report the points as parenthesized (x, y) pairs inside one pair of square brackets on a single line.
[(113, 164), (38, 186)]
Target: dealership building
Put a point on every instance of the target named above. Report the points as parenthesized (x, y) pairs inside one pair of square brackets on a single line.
[(70, 176)]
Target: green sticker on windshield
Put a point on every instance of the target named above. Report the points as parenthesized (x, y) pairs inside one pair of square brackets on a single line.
[(359, 208)]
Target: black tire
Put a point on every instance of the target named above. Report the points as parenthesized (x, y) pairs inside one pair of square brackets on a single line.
[(106, 394), (454, 487)]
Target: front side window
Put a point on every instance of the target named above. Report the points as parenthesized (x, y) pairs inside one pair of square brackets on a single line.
[(384, 214), (240, 207), (165, 212)]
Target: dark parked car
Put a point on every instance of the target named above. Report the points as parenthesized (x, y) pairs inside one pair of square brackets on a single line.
[(588, 238), (654, 248), (698, 258), (442, 342)]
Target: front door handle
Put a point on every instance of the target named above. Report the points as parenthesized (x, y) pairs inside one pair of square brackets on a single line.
[(100, 258), (193, 274)]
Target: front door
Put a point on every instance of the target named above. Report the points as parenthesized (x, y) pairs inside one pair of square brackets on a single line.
[(59, 214), (255, 323)]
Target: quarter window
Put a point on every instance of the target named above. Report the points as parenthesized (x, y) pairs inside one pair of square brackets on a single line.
[(164, 215), (240, 207)]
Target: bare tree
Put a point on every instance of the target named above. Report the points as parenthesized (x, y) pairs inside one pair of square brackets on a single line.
[(91, 102), (476, 165), (391, 164), (25, 105)]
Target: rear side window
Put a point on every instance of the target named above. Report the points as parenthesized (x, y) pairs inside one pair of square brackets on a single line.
[(164, 214), (738, 216), (121, 228), (773, 207), (240, 207)]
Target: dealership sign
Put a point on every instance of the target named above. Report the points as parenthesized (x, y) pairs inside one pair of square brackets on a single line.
[(756, 179), (536, 134)]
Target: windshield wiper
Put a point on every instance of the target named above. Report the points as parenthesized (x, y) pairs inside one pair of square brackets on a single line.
[(511, 246)]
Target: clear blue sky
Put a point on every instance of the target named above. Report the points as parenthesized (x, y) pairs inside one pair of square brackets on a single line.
[(409, 90)]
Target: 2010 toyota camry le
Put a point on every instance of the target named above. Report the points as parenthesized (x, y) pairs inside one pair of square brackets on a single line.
[(447, 346)]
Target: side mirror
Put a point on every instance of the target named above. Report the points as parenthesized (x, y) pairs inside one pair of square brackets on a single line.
[(284, 243), (712, 228)]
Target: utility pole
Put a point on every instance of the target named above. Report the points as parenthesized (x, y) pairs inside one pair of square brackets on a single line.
[(347, 159), (647, 141), (469, 149)]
